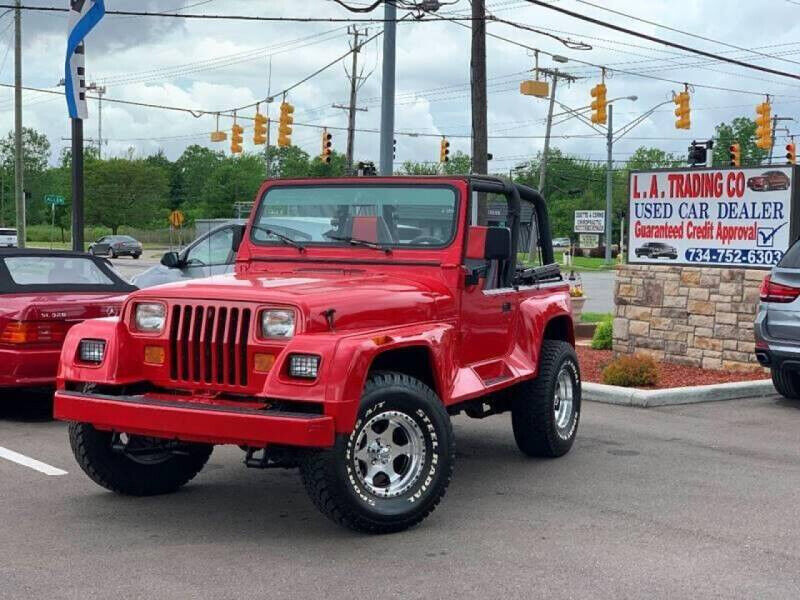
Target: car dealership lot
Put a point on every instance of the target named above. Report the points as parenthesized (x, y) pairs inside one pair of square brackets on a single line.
[(693, 501)]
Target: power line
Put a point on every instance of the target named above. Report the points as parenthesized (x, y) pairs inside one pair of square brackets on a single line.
[(618, 70), (223, 17), (694, 35), (651, 38)]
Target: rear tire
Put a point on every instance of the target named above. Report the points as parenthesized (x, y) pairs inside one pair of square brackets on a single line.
[(545, 411), (118, 472), (787, 383), (394, 468)]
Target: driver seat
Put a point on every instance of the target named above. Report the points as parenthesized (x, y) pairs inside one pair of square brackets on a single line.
[(368, 228)]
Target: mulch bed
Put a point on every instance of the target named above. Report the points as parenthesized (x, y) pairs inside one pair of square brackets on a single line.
[(593, 362)]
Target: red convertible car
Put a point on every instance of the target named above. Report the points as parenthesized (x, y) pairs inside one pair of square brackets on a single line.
[(42, 294)]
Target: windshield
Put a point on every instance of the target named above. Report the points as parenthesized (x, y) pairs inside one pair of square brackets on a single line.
[(41, 270), (391, 216)]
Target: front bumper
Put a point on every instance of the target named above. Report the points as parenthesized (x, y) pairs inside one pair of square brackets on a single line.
[(195, 420)]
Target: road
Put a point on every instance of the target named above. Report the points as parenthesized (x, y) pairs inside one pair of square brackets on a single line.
[(683, 502), (599, 288)]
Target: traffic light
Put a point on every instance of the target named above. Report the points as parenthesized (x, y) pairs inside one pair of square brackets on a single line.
[(236, 138), (682, 111), (736, 154), (599, 114), (791, 153), (764, 126), (394, 149), (326, 147), (260, 129), (444, 151), (217, 135), (285, 125)]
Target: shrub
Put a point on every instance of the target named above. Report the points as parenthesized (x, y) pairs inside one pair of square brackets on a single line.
[(600, 252), (631, 371), (601, 340)]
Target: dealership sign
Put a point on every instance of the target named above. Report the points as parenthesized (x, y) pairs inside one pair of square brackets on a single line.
[(590, 221), (711, 217)]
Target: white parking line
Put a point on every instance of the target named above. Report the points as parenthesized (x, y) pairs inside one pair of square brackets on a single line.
[(31, 463)]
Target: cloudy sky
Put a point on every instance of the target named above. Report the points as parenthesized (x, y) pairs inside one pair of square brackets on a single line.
[(214, 65)]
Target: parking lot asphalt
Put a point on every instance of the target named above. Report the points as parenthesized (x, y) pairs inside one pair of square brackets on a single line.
[(684, 502)]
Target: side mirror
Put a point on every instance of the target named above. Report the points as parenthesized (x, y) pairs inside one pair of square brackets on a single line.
[(238, 236), (171, 260), (488, 243)]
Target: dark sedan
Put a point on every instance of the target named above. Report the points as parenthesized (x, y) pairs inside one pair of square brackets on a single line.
[(656, 250), (115, 246)]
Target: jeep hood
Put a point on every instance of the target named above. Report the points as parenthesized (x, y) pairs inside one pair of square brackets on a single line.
[(364, 301)]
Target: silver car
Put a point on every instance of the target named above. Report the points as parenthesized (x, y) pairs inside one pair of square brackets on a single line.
[(777, 325), (213, 253)]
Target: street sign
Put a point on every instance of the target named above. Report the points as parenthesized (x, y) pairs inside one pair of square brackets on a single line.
[(590, 221), (83, 16), (176, 218), (53, 200)]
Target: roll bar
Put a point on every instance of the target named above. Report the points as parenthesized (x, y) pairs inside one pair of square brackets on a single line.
[(513, 193)]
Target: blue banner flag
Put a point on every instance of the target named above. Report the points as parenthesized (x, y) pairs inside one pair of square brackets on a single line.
[(83, 16)]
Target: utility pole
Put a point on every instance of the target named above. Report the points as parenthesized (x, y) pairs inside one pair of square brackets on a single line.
[(19, 191), (775, 120), (609, 182), (387, 88), (556, 75), (478, 79), (548, 127), (100, 90), (355, 83)]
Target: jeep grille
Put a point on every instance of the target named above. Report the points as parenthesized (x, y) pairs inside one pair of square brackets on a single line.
[(208, 344)]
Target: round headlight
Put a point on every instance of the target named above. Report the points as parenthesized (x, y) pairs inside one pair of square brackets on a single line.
[(150, 318), (277, 323)]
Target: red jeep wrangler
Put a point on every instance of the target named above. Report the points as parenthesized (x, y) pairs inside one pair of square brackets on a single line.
[(363, 314)]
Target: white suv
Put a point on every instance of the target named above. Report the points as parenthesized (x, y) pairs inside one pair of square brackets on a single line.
[(8, 238)]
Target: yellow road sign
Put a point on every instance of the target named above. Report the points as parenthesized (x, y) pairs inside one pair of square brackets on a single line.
[(176, 218)]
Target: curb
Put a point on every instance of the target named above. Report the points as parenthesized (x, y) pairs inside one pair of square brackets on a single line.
[(612, 394)]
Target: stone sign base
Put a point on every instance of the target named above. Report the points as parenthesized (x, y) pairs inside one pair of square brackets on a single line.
[(702, 317)]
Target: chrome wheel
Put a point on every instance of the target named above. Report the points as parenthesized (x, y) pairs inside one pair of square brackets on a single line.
[(389, 454), (563, 404)]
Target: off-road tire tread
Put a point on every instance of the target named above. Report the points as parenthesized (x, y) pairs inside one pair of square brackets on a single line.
[(532, 405), (787, 383), (93, 459), (317, 468)]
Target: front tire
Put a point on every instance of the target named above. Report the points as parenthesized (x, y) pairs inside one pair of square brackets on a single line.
[(394, 468), (787, 383), (545, 412), (141, 476)]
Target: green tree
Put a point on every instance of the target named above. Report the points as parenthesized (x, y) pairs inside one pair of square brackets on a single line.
[(652, 158), (288, 161), (234, 179), (742, 130), (125, 192), (191, 175), (35, 150)]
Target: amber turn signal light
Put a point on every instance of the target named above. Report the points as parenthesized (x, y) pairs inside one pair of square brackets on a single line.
[(154, 355), (263, 362)]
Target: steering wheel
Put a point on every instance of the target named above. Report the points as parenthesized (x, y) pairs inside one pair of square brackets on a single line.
[(425, 239)]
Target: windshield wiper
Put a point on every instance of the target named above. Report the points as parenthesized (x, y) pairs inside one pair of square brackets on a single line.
[(284, 238), (357, 242)]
